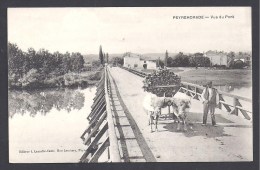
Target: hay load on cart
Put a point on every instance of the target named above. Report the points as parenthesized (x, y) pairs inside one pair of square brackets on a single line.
[(162, 83)]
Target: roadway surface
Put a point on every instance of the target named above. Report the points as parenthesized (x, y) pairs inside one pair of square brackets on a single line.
[(230, 141)]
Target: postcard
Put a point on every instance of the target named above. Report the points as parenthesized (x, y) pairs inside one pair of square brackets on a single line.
[(130, 84)]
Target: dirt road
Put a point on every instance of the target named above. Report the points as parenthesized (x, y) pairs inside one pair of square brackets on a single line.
[(230, 141)]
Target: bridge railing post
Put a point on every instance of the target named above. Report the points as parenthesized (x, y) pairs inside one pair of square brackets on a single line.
[(235, 103), (220, 105)]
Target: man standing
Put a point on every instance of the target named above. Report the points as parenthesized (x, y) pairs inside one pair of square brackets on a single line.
[(210, 98)]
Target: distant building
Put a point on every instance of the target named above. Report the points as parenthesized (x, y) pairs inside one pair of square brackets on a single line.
[(217, 58), (132, 60)]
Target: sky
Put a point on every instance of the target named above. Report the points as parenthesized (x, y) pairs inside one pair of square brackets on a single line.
[(138, 30)]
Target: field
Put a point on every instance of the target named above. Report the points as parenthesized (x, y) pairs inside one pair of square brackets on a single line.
[(234, 77), (218, 77)]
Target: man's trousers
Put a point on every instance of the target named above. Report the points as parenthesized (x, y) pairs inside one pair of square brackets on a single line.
[(209, 108)]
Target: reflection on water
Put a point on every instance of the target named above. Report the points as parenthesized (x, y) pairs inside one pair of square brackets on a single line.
[(45, 126), (43, 101)]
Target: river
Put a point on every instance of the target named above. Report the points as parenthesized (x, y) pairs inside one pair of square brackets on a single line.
[(243, 91), (45, 126)]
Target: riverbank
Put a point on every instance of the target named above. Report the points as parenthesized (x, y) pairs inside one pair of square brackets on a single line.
[(69, 80)]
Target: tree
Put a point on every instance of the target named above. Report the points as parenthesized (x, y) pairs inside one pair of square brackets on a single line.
[(31, 57), (77, 62), (198, 59), (26, 63), (41, 60), (117, 61), (231, 55), (15, 60), (58, 63), (205, 61), (160, 63), (101, 56), (166, 59), (66, 65), (169, 62), (107, 57), (95, 64), (181, 60)]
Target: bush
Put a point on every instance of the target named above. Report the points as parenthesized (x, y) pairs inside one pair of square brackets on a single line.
[(13, 81), (95, 76), (54, 82), (32, 79), (87, 68)]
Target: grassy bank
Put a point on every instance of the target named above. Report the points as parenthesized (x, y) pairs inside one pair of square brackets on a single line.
[(218, 77), (69, 80)]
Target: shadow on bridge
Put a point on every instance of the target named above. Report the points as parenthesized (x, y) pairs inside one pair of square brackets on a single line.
[(194, 128)]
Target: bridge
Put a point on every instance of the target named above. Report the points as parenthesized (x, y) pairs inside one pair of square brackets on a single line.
[(118, 128)]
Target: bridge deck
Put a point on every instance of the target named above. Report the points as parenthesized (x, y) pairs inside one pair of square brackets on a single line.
[(230, 141), (132, 146)]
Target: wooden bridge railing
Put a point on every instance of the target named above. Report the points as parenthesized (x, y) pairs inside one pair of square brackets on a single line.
[(139, 73), (195, 91), (100, 134)]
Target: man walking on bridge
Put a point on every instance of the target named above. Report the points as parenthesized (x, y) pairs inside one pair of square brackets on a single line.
[(210, 98)]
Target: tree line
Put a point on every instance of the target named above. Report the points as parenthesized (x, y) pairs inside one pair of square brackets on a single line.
[(44, 62), (31, 66), (183, 60), (199, 60)]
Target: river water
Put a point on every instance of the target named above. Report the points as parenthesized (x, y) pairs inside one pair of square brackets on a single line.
[(45, 126), (243, 91)]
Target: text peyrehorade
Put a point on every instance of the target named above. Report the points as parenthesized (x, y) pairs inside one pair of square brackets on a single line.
[(205, 17)]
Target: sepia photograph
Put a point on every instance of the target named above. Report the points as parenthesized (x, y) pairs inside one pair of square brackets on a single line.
[(130, 84)]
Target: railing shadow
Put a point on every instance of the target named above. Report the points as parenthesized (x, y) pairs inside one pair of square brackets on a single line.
[(195, 128)]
